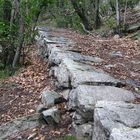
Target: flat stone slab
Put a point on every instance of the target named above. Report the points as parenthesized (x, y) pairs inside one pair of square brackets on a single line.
[(76, 73), (84, 98), (110, 115), (57, 55), (19, 125)]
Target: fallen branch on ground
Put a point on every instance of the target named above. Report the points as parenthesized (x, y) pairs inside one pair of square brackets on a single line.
[(87, 31)]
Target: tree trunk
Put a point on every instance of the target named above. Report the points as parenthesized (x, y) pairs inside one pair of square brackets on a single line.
[(124, 20), (6, 47), (81, 13), (97, 16), (41, 6), (19, 47), (7, 6), (14, 12), (4, 56), (118, 16)]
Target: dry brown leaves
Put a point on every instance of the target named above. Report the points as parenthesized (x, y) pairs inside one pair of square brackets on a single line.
[(34, 78)]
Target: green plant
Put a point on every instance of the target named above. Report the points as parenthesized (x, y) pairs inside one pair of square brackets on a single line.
[(110, 22), (4, 74)]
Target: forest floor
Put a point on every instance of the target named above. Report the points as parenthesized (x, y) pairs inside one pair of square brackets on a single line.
[(20, 94)]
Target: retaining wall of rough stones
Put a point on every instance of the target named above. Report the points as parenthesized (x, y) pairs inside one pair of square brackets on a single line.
[(101, 107)]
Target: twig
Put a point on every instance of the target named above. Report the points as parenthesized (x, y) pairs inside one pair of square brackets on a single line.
[(85, 30)]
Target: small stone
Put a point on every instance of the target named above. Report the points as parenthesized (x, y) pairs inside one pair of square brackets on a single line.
[(83, 132), (50, 98), (51, 116), (65, 94), (77, 119), (114, 54), (116, 36)]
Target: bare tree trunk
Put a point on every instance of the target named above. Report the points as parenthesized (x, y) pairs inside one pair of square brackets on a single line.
[(97, 16), (81, 13), (118, 16), (34, 26), (36, 20), (7, 7), (124, 20), (6, 47), (14, 12), (4, 56), (20, 46)]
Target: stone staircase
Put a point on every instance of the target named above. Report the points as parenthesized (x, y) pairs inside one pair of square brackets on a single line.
[(102, 107)]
